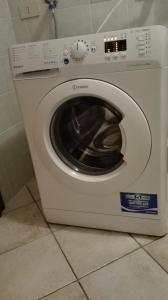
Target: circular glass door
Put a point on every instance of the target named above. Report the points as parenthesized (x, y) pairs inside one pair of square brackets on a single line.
[(85, 134)]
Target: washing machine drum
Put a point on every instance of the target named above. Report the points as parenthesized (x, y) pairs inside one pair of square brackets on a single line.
[(85, 134), (89, 131)]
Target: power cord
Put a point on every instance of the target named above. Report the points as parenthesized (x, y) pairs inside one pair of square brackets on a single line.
[(52, 7)]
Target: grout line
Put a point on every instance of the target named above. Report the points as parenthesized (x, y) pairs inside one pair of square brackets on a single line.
[(31, 194), (155, 260), (77, 280), (148, 253), (18, 124), (105, 265), (6, 212), (7, 92), (64, 255), (61, 252), (25, 244), (142, 246), (82, 288), (91, 17), (132, 236), (59, 289), (109, 263), (70, 266)]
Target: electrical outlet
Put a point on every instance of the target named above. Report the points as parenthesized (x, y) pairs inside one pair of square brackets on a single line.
[(28, 9)]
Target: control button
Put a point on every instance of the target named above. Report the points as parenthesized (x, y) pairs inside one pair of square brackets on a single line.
[(141, 53), (141, 38), (66, 61), (123, 54), (115, 55), (141, 48), (65, 52), (93, 49), (108, 56), (142, 44)]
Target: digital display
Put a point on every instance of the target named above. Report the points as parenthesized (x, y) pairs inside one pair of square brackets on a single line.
[(115, 46)]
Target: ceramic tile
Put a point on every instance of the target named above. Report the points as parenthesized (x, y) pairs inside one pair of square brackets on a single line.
[(4, 9), (141, 13), (40, 28), (7, 73), (33, 271), (21, 226), (14, 152), (14, 8), (9, 111), (73, 21), (56, 227), (6, 83), (135, 276), (70, 292), (6, 35), (70, 3), (144, 239), (33, 188), (21, 199), (62, 4), (117, 20), (88, 249), (21, 31), (151, 12), (97, 1), (159, 250), (160, 9), (100, 11)]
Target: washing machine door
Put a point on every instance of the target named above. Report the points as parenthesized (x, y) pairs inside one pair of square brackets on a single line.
[(90, 134)]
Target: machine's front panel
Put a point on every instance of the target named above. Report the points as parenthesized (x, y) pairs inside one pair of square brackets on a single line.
[(132, 48)]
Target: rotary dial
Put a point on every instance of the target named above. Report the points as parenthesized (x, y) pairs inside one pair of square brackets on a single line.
[(79, 50)]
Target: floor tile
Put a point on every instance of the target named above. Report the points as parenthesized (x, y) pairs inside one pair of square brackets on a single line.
[(56, 227), (33, 271), (159, 250), (70, 292), (88, 249), (21, 226), (22, 198), (32, 186), (135, 276), (144, 239)]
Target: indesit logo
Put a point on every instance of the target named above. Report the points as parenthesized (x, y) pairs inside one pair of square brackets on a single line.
[(76, 87)]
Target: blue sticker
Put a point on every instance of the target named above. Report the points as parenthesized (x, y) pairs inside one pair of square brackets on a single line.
[(139, 203)]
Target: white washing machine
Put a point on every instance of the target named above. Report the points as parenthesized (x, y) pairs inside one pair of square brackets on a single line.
[(95, 114)]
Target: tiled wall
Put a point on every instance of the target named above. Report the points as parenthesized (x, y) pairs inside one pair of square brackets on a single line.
[(15, 164), (75, 17)]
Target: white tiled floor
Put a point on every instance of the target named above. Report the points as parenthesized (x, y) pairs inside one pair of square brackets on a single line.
[(54, 262)]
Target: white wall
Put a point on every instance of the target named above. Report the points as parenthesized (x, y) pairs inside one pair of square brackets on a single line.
[(15, 164), (85, 16)]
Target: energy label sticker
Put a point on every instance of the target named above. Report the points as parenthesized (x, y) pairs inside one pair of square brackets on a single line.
[(139, 203)]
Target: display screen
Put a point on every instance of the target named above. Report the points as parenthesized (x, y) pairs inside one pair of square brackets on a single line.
[(115, 46)]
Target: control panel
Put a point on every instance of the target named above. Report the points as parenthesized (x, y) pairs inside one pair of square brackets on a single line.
[(122, 49)]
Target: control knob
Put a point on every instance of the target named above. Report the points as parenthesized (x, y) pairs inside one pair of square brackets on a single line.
[(79, 50)]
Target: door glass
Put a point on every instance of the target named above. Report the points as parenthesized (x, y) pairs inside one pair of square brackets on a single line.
[(85, 134)]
